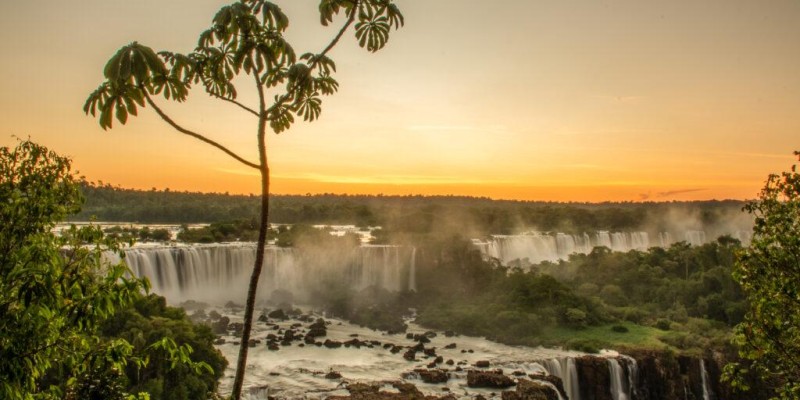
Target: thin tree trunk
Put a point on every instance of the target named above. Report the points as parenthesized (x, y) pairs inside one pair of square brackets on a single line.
[(241, 363)]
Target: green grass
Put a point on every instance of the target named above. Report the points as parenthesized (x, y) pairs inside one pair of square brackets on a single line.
[(603, 336)]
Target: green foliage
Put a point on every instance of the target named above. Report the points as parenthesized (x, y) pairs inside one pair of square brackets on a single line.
[(241, 230), (769, 272), (183, 363), (54, 292)]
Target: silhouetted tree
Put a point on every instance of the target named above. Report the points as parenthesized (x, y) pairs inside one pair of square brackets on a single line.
[(246, 38)]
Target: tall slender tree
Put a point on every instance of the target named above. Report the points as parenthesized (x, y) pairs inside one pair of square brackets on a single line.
[(246, 38)]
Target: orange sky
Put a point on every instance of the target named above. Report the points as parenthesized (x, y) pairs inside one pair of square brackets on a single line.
[(541, 100)]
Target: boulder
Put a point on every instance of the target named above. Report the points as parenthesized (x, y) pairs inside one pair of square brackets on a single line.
[(530, 390), (489, 379)]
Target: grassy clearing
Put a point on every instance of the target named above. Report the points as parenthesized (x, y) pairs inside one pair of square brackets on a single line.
[(603, 336)]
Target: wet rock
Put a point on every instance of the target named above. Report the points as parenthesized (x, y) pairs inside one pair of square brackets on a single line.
[(432, 375), (410, 355), (395, 349), (263, 318), (409, 335), (219, 341), (273, 346), (450, 346), (220, 327), (237, 328), (253, 342), (333, 375), (214, 315), (594, 377), (449, 333), (233, 306), (449, 361), (554, 380), (490, 379), (530, 390), (438, 360), (482, 364), (430, 352), (430, 334), (332, 344), (317, 329), (278, 314)]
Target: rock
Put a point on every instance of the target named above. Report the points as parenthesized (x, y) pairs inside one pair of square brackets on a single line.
[(488, 379), (219, 341), (449, 333), (214, 315), (317, 329), (594, 378), (273, 346), (450, 346), (333, 375), (410, 355), (554, 380), (430, 334), (332, 344), (482, 364), (253, 342), (233, 305), (263, 318), (449, 361), (409, 335), (395, 349), (278, 314), (432, 375), (220, 327), (438, 360), (529, 390)]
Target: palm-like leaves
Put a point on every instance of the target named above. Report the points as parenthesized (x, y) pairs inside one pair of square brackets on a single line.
[(246, 36)]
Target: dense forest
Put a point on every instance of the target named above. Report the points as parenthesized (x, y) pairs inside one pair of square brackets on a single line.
[(414, 214)]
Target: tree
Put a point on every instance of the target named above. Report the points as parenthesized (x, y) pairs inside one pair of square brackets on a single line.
[(55, 291), (769, 273), (246, 38)]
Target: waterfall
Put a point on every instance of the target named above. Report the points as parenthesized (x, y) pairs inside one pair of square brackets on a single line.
[(633, 375), (618, 388), (536, 247), (565, 369), (708, 393), (221, 272)]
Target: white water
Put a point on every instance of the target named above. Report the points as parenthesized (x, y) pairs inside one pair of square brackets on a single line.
[(565, 369), (619, 391), (300, 370), (707, 392), (536, 247), (221, 272)]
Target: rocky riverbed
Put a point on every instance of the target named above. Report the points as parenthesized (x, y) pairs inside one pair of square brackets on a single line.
[(303, 355)]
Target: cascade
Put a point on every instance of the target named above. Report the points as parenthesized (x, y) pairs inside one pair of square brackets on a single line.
[(619, 391), (221, 272), (708, 394), (633, 375), (695, 238), (564, 368), (536, 247)]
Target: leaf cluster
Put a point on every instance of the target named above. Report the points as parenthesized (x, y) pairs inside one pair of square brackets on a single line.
[(245, 37)]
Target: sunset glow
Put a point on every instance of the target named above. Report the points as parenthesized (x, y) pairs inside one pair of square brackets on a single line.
[(531, 100)]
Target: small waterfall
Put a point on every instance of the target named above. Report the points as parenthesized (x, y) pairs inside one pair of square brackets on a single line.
[(633, 375), (619, 391), (565, 369), (708, 393), (695, 238)]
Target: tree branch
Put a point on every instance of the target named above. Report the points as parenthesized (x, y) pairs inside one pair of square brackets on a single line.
[(242, 106), (350, 19), (195, 135)]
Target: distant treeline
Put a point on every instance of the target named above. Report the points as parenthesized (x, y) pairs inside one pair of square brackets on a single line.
[(409, 214)]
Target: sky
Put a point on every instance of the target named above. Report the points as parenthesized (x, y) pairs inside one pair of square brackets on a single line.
[(554, 100)]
